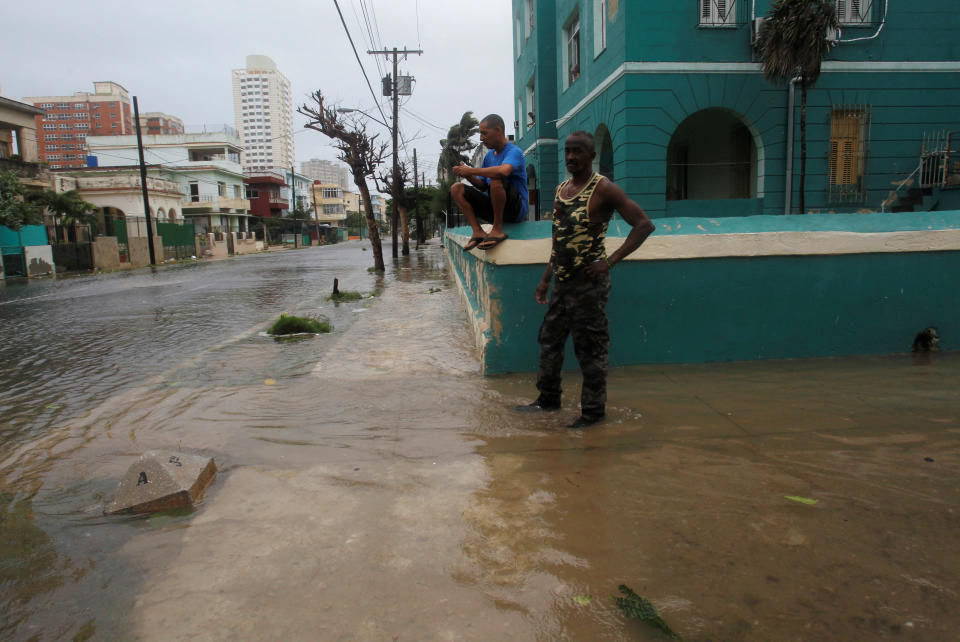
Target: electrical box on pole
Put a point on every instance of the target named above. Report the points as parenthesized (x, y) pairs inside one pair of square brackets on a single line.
[(404, 85), (387, 85)]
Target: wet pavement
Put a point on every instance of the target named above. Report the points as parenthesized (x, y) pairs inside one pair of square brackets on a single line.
[(373, 486)]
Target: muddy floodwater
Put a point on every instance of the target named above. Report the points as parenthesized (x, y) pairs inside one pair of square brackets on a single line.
[(374, 486)]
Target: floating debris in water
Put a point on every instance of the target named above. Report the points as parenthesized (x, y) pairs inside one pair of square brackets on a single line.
[(582, 600), (638, 607), (269, 382), (802, 500)]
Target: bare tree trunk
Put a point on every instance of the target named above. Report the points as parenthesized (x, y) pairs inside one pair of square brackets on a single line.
[(404, 230), (803, 142), (372, 229)]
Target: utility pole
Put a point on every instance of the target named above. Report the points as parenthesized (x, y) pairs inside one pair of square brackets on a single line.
[(143, 184), (416, 201), (395, 214)]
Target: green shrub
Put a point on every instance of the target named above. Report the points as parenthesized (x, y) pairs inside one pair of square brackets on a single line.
[(290, 324), (345, 295)]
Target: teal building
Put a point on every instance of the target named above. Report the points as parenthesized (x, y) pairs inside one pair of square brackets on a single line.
[(686, 123)]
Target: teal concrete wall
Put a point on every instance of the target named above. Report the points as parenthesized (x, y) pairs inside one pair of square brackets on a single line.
[(735, 308), (642, 110), (13, 241)]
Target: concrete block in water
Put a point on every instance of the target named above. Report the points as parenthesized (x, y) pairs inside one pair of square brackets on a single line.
[(160, 481)]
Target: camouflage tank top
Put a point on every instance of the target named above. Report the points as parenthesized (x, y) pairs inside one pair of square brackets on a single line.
[(576, 241)]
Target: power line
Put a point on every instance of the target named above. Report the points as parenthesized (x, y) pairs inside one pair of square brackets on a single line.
[(350, 38)]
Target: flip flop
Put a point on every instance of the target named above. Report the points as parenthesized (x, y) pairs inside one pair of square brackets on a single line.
[(474, 242), (492, 241)]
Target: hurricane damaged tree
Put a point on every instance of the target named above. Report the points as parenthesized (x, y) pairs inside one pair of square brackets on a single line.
[(358, 150), (385, 185), (792, 44)]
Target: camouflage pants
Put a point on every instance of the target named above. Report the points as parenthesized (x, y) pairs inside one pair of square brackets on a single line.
[(578, 307)]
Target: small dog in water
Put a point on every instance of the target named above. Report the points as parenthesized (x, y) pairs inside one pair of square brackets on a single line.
[(927, 341)]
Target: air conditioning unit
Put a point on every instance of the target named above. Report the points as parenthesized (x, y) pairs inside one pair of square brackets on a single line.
[(755, 27)]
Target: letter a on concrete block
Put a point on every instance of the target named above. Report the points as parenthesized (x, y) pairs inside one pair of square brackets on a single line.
[(162, 480)]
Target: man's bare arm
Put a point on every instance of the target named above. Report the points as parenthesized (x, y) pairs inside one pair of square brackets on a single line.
[(497, 171), (612, 197)]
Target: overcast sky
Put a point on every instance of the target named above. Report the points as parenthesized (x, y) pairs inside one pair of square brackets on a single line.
[(176, 57)]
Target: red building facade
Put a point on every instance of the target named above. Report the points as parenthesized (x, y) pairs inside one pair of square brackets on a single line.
[(266, 193), (68, 120)]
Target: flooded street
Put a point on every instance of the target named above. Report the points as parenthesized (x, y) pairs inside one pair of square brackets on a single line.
[(373, 485)]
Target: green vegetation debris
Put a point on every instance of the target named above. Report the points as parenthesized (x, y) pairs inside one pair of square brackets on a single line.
[(802, 500), (433, 290), (638, 607), (290, 324), (345, 295), (582, 600)]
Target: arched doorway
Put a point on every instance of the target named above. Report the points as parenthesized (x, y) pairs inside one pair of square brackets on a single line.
[(534, 193), (172, 214), (712, 155), (603, 162)]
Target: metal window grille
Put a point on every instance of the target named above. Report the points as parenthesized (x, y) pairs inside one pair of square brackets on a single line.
[(849, 149), (935, 163), (854, 12), (718, 13)]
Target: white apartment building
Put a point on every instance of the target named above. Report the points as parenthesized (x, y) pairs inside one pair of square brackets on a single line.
[(328, 172), (263, 113)]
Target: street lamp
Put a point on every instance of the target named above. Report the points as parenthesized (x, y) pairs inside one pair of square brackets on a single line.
[(348, 110)]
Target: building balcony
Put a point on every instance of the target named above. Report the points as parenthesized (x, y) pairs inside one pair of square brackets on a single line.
[(209, 203)]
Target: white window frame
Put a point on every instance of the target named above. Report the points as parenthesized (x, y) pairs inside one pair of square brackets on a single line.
[(531, 100), (521, 119), (852, 13), (571, 29), (599, 27), (718, 13)]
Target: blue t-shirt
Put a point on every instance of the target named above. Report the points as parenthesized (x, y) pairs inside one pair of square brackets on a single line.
[(511, 155)]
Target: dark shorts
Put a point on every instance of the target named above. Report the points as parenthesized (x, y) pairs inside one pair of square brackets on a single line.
[(483, 208)]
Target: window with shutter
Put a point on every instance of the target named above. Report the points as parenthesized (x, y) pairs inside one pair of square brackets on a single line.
[(854, 12), (718, 13), (848, 148)]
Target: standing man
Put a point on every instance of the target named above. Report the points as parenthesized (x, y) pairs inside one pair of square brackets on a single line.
[(498, 190), (582, 208)]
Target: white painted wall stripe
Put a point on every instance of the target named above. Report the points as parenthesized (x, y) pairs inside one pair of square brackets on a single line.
[(700, 246), (539, 142)]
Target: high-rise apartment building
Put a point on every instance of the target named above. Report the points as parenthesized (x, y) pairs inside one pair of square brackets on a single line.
[(66, 122), (325, 171), (155, 123), (263, 112)]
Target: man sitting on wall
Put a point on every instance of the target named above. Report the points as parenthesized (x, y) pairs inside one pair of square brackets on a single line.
[(498, 190)]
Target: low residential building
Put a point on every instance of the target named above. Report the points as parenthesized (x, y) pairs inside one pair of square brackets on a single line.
[(116, 191), (206, 166), (379, 206), (18, 130), (268, 192), (155, 122), (67, 121), (328, 203)]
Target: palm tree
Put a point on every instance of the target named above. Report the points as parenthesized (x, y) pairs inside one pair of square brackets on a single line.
[(67, 208), (456, 145), (792, 45)]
